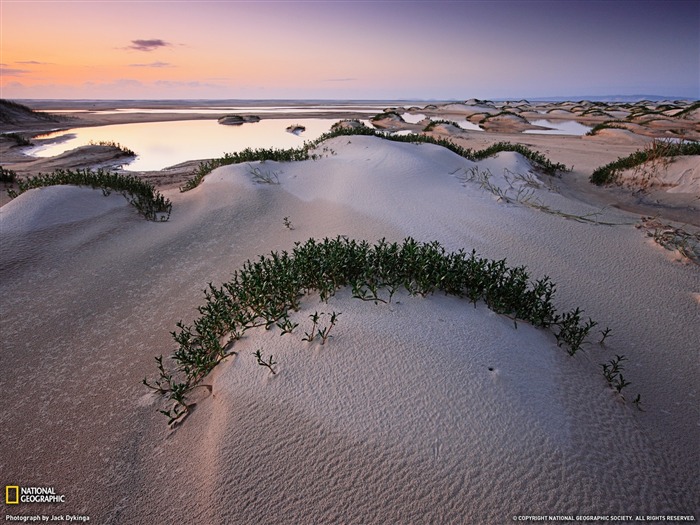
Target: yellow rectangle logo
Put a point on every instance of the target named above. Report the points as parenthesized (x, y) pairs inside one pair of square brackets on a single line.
[(9, 500)]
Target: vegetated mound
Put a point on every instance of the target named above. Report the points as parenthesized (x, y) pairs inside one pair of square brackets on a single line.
[(449, 129), (480, 107), (660, 122), (617, 134), (237, 120), (479, 102), (692, 112), (14, 113), (347, 124), (507, 116), (296, 129), (90, 156), (649, 167), (388, 119), (444, 127), (673, 174), (506, 121), (559, 112)]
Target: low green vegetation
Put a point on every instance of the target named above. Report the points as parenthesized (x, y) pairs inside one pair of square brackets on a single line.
[(317, 329), (265, 291), (267, 364), (7, 176), (126, 152), (18, 139), (612, 371), (656, 151), (143, 196)]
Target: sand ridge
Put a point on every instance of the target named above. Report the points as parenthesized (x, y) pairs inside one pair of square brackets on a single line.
[(398, 418)]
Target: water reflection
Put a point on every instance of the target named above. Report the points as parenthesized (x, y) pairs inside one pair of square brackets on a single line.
[(233, 110), (465, 124), (559, 127), (413, 118), (162, 144)]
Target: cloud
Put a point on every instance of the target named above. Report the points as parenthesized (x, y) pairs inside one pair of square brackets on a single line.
[(340, 79), (32, 62), (12, 72), (148, 45), (152, 64)]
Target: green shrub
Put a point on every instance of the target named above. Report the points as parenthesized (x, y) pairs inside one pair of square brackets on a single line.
[(7, 176)]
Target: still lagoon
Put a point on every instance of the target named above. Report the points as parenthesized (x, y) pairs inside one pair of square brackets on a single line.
[(159, 145)]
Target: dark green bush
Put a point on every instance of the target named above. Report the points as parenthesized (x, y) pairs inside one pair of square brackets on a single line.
[(7, 176)]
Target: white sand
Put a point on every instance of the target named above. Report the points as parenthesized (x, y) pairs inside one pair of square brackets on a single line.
[(397, 419)]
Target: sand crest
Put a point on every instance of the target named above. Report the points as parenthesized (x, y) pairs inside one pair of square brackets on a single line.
[(421, 410)]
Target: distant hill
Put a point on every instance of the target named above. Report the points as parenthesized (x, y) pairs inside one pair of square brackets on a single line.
[(609, 98), (14, 113)]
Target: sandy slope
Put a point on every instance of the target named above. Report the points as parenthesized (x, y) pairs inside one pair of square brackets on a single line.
[(398, 419)]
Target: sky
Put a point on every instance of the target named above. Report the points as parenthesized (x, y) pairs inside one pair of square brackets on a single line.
[(379, 50)]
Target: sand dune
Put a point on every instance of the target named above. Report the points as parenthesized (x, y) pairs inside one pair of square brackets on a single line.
[(424, 410)]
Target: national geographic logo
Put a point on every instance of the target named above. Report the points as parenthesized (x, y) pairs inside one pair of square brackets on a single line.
[(14, 495), (11, 495)]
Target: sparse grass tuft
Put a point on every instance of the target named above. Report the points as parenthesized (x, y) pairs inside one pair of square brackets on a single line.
[(126, 152), (521, 190), (264, 177), (673, 238), (268, 364)]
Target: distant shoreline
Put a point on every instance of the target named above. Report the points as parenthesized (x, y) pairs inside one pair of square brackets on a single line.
[(500, 122)]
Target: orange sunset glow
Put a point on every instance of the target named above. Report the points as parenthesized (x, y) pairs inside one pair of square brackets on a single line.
[(115, 49)]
